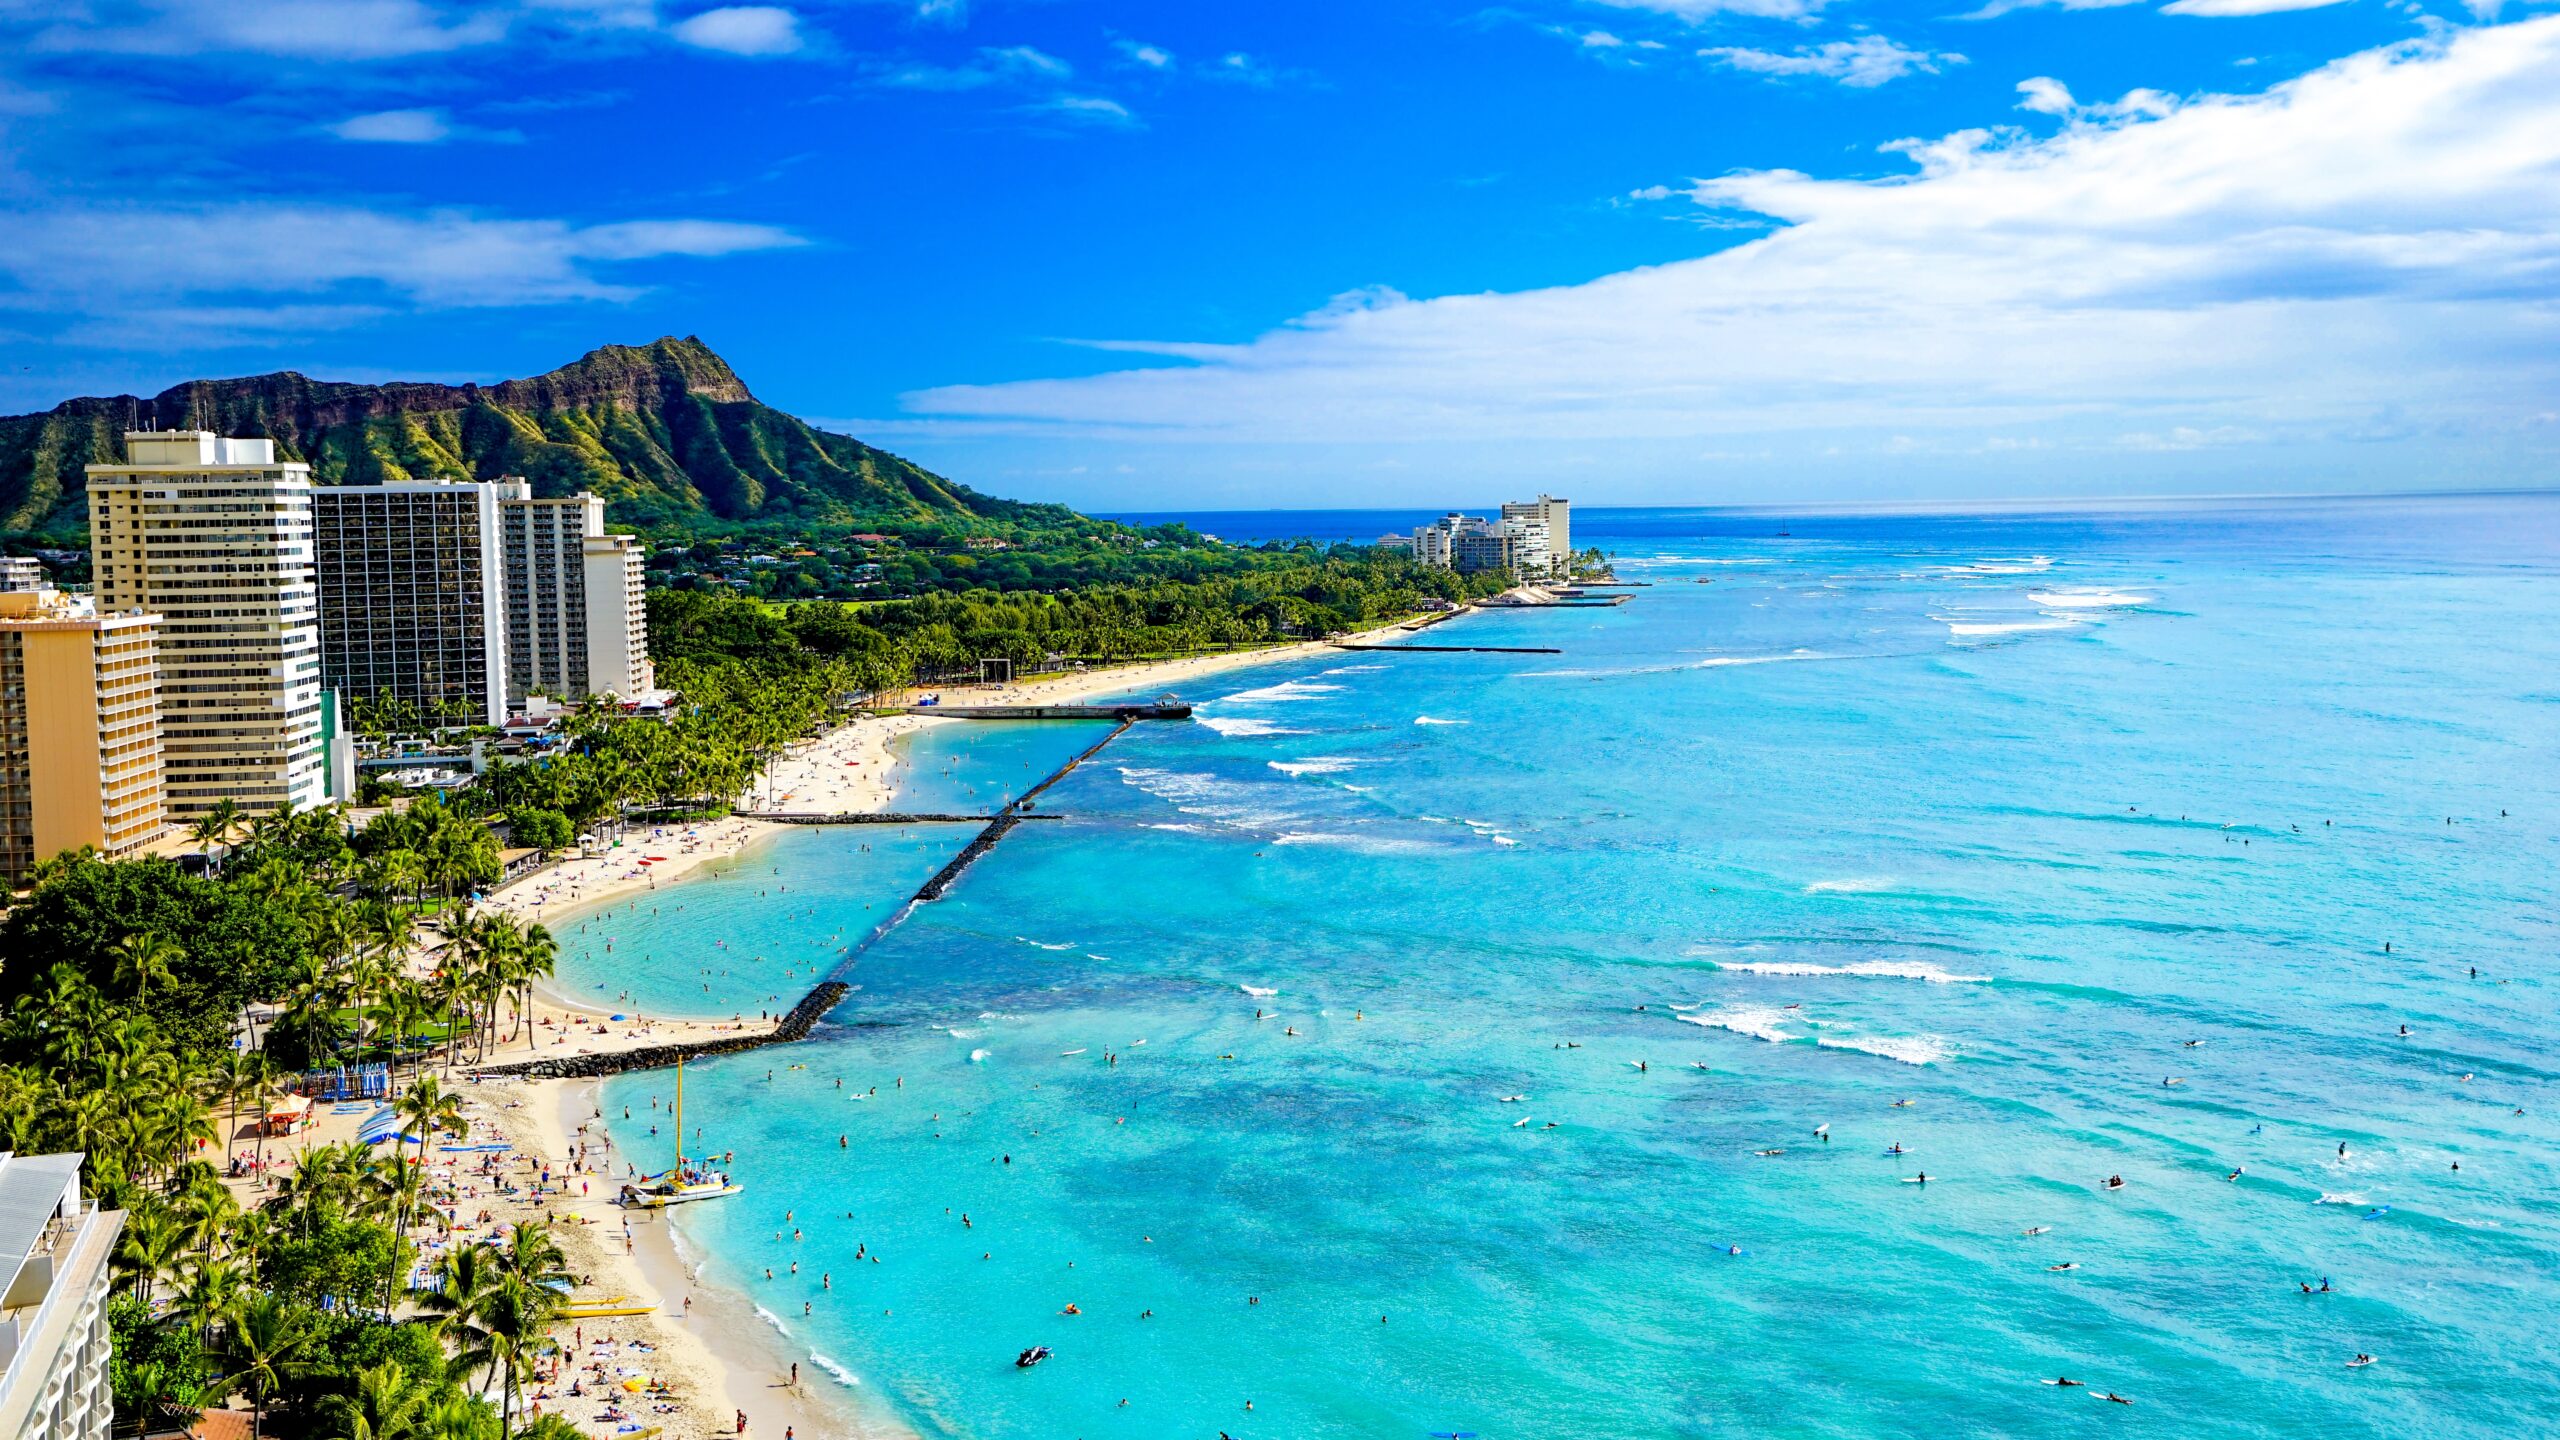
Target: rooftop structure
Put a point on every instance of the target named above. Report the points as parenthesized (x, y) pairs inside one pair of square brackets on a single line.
[(54, 1248)]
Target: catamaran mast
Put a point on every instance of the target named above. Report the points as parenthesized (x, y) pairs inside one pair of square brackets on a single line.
[(679, 1116)]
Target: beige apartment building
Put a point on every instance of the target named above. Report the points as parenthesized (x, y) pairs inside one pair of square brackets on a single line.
[(79, 730), (617, 618), (213, 535), (576, 618)]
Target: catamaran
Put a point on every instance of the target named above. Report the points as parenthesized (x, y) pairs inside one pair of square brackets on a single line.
[(680, 1183)]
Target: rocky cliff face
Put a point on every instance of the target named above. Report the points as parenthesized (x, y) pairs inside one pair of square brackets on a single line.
[(664, 431)]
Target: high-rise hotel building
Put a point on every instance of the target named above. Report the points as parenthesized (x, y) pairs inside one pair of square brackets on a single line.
[(214, 536), (576, 620), (413, 597), (79, 731)]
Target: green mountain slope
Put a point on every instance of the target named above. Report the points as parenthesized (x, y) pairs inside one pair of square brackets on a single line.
[(666, 432)]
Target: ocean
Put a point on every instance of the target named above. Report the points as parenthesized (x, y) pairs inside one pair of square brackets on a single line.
[(1519, 1044)]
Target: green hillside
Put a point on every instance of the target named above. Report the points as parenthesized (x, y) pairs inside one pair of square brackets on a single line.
[(666, 432)]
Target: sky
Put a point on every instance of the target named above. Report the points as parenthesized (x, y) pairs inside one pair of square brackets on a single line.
[(1179, 255)]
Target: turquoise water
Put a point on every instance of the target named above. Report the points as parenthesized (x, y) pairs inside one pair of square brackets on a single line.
[(1992, 815)]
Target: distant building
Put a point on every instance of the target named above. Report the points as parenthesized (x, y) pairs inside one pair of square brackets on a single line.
[(21, 572), (1532, 540), (1482, 547), (79, 730), (54, 1249), (1557, 518), (413, 597), (576, 615), (214, 536)]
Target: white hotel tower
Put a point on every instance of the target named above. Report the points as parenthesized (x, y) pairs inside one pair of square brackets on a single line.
[(214, 536)]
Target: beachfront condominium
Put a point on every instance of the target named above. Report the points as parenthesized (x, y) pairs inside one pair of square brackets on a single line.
[(1557, 518), (1468, 545), (213, 535), (412, 597), (55, 1245), (79, 730), (21, 572), (576, 620), (618, 617)]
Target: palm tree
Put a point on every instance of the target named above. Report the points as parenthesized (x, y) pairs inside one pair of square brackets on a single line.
[(426, 1105), (141, 959), (464, 1417), (268, 1344), (386, 1404), (537, 957), (211, 1296), (238, 1075), (150, 1247), (217, 822), (466, 1281)]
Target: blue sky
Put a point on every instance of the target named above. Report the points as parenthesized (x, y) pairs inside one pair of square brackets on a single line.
[(1143, 255)]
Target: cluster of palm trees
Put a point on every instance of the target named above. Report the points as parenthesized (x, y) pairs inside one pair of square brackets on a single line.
[(360, 966), (192, 1258)]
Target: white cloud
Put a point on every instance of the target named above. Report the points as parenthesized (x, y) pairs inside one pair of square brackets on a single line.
[(1994, 9), (2242, 7), (396, 127), (100, 261), (1600, 40), (755, 30), (1868, 61), (1093, 109), (1154, 57), (1695, 11), (2372, 248), (1011, 64), (305, 29)]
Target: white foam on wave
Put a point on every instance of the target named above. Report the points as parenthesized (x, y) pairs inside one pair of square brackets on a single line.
[(2086, 599), (1285, 690), (2010, 565), (843, 1377), (959, 1034), (1240, 806), (1179, 826), (2348, 1198), (1043, 944), (1259, 992), (1871, 969), (1855, 885), (978, 1057), (1909, 1049), (1313, 765), (1501, 839), (1351, 669), (1712, 662), (1984, 629), (1435, 720), (1241, 727), (1371, 844), (1757, 1021)]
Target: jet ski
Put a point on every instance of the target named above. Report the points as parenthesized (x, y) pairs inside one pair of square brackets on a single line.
[(1031, 1357)]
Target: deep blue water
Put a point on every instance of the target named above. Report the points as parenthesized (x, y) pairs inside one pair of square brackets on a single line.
[(2011, 818)]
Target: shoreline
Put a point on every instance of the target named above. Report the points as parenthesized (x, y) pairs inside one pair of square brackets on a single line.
[(706, 1334)]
